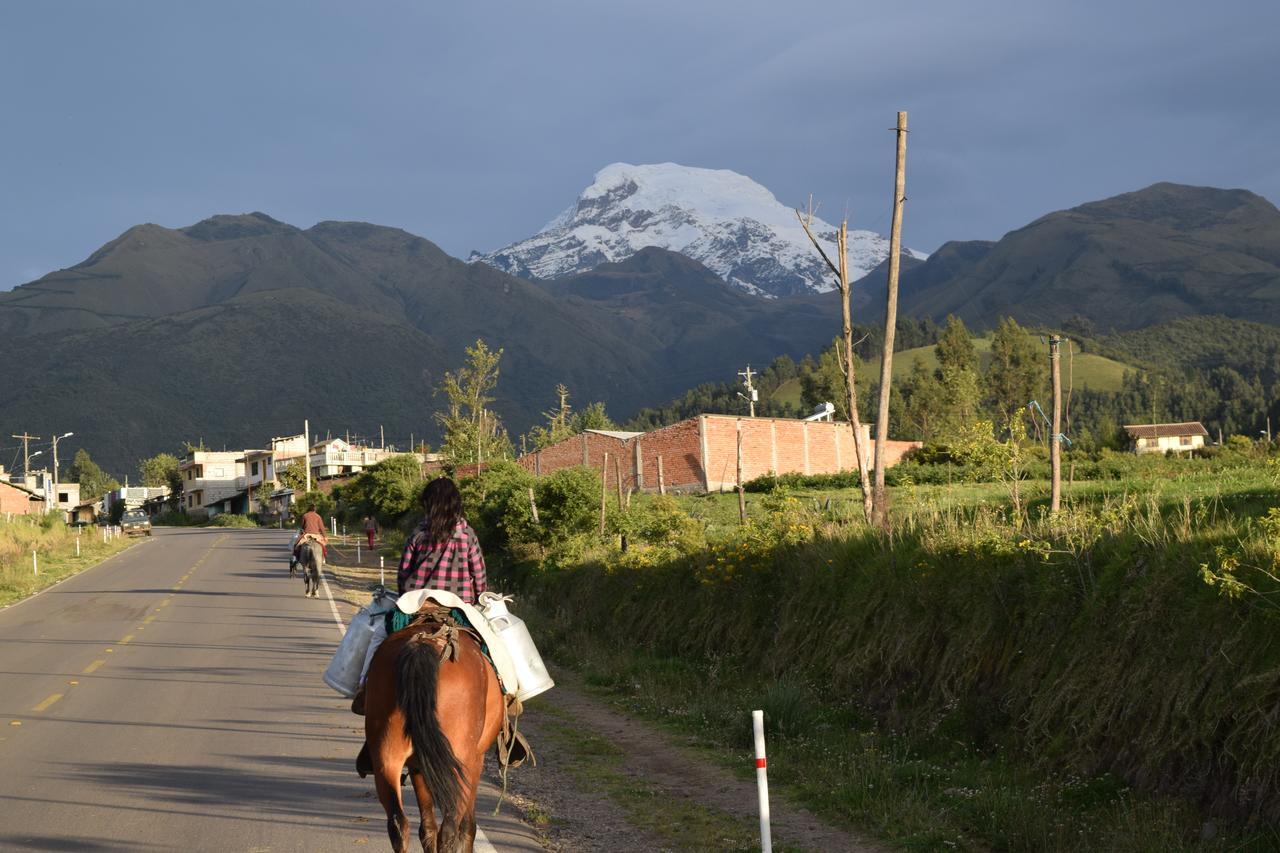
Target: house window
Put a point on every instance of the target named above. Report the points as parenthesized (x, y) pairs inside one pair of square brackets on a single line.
[(254, 472), (64, 497), (199, 470), (1185, 441)]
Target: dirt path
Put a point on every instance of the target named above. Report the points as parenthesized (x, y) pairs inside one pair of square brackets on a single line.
[(580, 810)]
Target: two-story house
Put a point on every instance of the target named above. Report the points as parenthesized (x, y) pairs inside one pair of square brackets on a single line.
[(211, 477)]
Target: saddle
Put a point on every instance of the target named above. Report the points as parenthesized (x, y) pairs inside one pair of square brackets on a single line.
[(512, 748)]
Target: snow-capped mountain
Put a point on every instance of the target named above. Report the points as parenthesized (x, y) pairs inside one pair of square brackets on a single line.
[(717, 217)]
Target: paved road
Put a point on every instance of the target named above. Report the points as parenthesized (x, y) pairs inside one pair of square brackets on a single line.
[(170, 698)]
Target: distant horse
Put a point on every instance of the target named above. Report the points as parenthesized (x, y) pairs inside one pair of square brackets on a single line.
[(431, 695), (311, 557)]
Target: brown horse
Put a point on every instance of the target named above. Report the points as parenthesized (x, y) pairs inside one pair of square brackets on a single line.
[(446, 713)]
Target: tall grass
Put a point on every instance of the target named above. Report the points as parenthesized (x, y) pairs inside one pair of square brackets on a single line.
[(1132, 637), (54, 544)]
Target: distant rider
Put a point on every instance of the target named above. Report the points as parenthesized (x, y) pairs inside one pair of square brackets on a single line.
[(311, 525)]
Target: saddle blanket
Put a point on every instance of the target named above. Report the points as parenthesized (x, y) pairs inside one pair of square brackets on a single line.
[(411, 602)]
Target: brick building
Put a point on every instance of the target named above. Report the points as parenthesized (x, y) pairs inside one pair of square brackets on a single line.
[(701, 454), (16, 499)]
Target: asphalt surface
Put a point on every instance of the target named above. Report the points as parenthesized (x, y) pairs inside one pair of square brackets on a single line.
[(170, 698)]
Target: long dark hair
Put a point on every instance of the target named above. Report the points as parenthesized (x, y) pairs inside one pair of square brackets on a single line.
[(442, 506)]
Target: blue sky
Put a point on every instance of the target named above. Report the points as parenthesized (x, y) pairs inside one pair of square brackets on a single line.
[(474, 123)]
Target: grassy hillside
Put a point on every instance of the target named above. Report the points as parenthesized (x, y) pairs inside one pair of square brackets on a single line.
[(1126, 262), (239, 327), (1081, 369)]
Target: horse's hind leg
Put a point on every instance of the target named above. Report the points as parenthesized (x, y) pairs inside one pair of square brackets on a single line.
[(393, 805), (458, 834), (426, 812)]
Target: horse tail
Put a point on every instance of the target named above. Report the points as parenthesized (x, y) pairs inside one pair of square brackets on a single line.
[(417, 674)]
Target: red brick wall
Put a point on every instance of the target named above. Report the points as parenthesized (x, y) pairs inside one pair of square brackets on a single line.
[(588, 448), (17, 501), (680, 447), (785, 446), (769, 445)]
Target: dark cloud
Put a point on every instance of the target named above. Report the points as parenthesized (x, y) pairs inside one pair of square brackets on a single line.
[(472, 124)]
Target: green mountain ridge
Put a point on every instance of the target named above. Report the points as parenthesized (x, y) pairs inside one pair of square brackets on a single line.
[(1126, 262), (238, 327)]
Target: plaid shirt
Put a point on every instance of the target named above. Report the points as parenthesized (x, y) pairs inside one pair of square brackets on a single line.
[(455, 565)]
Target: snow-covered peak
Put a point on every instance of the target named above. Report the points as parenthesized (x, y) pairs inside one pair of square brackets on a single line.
[(725, 220)]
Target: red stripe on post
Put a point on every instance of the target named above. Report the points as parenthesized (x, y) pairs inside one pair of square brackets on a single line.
[(760, 763)]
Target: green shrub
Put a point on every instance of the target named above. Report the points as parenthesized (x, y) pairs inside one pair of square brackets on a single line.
[(325, 505), (496, 503), (568, 504), (228, 519), (173, 518)]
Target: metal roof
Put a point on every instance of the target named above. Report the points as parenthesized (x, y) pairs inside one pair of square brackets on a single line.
[(1166, 430), (614, 433)]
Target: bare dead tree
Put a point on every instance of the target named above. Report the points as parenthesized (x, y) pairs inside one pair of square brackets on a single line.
[(848, 365)]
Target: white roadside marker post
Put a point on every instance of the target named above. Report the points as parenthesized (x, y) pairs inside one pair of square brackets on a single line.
[(762, 782), (382, 570), (35, 565), (357, 552)]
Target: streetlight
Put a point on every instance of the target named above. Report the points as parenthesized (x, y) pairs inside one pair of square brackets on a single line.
[(56, 439)]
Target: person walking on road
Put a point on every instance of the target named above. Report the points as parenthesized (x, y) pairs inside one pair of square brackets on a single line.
[(370, 529)]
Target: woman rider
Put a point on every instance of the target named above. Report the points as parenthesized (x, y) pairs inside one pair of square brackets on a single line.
[(443, 552)]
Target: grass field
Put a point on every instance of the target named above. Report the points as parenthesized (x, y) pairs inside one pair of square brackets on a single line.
[(1079, 370), (976, 678), (55, 547)]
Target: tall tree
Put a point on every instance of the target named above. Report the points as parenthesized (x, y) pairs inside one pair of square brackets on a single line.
[(848, 360), (94, 482), (163, 469), (924, 405), (593, 416), (958, 373), (1016, 374), (472, 433), (558, 424)]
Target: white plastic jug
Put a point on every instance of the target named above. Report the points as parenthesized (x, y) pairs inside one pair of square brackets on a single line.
[(343, 674), (531, 672)]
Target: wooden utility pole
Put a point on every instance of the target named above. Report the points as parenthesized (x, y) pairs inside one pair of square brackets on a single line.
[(26, 450), (604, 489), (848, 362), (306, 454), (751, 390), (1055, 440), (662, 480), (880, 510), (742, 497), (617, 476), (382, 437)]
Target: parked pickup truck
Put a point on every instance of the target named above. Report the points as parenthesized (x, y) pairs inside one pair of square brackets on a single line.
[(135, 522)]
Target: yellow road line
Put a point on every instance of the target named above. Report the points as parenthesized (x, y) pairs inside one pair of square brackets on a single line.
[(127, 638), (149, 619), (46, 703), (164, 603), (93, 667)]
